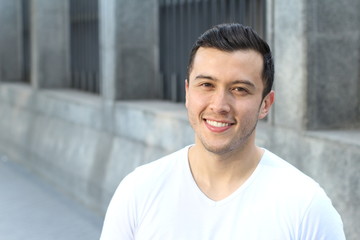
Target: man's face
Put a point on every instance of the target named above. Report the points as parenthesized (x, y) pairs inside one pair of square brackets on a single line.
[(224, 98)]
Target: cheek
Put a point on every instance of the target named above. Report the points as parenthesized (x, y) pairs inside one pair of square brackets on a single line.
[(248, 109), (192, 107), (195, 101), (195, 108), (193, 116)]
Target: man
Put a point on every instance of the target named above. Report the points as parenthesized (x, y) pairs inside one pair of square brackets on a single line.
[(223, 186)]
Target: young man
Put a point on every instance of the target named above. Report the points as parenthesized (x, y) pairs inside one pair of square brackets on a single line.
[(223, 186)]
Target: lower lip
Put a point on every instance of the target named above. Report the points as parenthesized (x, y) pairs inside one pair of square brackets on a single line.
[(216, 129)]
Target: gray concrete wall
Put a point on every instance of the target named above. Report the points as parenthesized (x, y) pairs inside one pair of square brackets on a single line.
[(83, 145), (317, 53), (333, 49), (317, 80), (129, 49), (10, 40), (289, 47), (108, 51), (50, 44), (138, 49)]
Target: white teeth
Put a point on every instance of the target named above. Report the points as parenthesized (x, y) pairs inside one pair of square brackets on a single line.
[(217, 124)]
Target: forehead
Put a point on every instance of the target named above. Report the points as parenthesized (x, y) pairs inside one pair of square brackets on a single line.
[(239, 63)]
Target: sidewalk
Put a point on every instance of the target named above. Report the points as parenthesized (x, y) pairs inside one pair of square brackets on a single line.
[(31, 209)]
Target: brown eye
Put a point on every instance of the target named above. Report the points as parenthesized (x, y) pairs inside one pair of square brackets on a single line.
[(206, 85), (240, 89)]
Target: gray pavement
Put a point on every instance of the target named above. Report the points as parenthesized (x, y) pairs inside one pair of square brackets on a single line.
[(32, 209)]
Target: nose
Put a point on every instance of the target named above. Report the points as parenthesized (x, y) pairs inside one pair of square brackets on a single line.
[(220, 103)]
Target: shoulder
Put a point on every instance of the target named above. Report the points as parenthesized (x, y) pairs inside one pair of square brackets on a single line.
[(286, 175), (303, 197), (159, 170), (321, 220), (150, 179), (285, 185), (137, 192), (162, 165)]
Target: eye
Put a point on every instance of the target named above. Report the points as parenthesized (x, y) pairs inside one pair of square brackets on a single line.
[(240, 90), (206, 85)]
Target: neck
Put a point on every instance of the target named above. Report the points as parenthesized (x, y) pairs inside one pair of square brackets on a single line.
[(218, 175)]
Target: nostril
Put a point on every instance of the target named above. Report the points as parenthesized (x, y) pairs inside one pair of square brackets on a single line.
[(220, 107)]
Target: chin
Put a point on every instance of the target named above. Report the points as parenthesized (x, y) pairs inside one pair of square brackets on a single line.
[(219, 149)]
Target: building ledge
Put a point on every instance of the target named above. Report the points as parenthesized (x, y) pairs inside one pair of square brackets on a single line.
[(342, 136)]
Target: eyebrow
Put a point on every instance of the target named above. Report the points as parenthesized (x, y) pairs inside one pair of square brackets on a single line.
[(246, 82), (205, 77)]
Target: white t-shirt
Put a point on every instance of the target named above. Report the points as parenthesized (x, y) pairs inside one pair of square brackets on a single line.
[(161, 200)]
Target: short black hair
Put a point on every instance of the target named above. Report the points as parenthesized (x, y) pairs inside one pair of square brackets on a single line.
[(231, 37)]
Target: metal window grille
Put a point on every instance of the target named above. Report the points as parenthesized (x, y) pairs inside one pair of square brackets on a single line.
[(25, 6), (84, 37), (182, 21)]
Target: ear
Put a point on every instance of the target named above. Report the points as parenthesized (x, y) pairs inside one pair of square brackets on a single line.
[(266, 104), (186, 92)]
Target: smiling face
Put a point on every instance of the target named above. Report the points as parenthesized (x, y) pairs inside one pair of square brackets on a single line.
[(224, 98)]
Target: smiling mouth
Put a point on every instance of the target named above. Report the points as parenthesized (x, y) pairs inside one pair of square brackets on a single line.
[(217, 124)]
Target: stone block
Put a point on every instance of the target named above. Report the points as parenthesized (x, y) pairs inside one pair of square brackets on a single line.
[(129, 49), (155, 123), (333, 17), (290, 64), (50, 44), (138, 28), (333, 79), (138, 76)]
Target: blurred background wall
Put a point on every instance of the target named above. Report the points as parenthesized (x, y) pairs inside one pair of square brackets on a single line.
[(90, 89)]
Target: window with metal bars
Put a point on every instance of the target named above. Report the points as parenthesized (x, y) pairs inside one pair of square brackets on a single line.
[(181, 23), (25, 7), (84, 40)]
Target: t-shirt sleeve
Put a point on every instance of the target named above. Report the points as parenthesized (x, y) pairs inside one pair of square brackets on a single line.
[(321, 220), (119, 220)]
